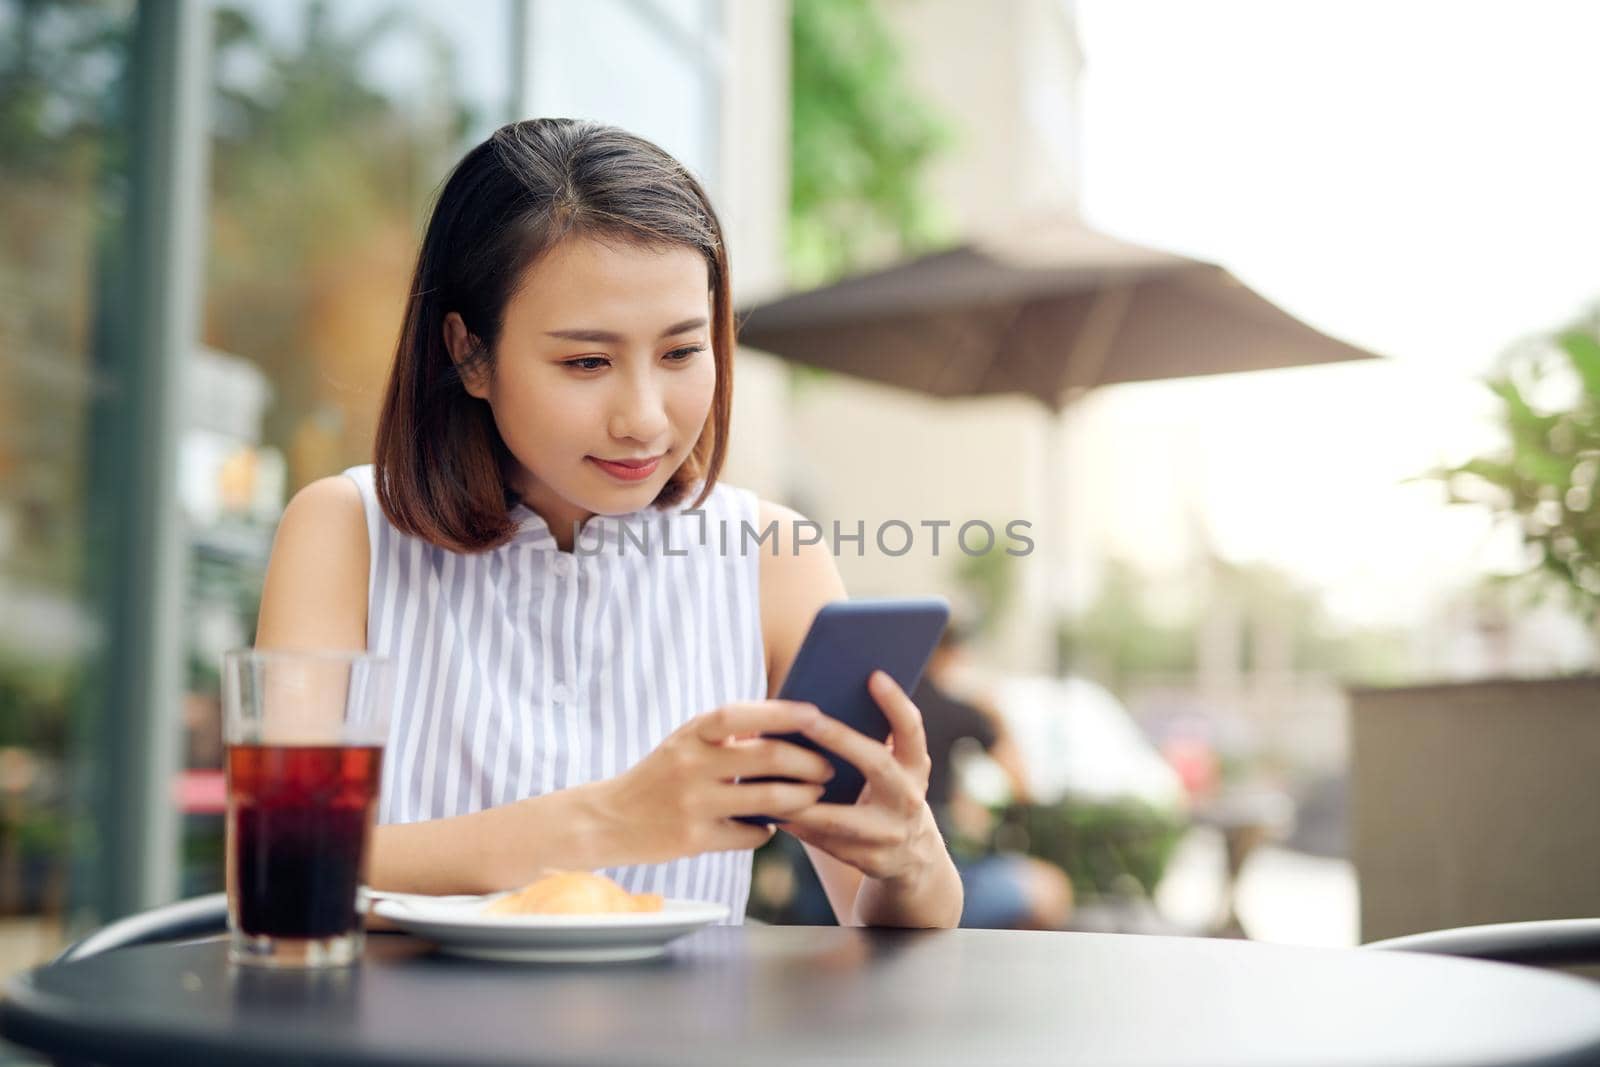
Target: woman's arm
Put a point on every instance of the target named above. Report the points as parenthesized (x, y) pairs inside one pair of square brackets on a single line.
[(924, 889), (315, 596), (673, 803), (677, 801)]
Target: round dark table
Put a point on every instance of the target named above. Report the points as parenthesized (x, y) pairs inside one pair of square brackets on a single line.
[(775, 995)]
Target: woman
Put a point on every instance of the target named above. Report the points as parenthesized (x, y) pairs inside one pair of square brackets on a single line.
[(562, 386)]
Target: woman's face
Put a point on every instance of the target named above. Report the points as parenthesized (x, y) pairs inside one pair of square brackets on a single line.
[(604, 355)]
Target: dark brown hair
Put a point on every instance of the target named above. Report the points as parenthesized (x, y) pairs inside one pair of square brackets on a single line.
[(438, 456)]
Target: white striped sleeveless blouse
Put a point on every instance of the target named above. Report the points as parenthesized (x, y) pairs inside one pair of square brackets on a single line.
[(526, 669)]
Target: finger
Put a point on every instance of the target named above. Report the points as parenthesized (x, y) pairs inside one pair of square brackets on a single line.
[(872, 758), (736, 836), (766, 798), (910, 739), (841, 824), (771, 758), (755, 717), (872, 859)]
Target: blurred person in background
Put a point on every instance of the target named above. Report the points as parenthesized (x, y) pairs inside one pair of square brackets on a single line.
[(1004, 890)]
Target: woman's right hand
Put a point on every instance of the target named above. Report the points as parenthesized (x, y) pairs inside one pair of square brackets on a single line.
[(680, 799)]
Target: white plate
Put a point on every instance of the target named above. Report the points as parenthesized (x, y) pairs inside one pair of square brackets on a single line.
[(459, 926)]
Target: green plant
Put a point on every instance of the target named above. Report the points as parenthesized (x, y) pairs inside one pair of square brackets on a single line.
[(989, 580), (36, 697), (1108, 849), (1546, 477), (861, 141), (1120, 637)]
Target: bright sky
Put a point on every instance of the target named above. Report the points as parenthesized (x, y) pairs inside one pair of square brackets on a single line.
[(1416, 177), (1419, 177)]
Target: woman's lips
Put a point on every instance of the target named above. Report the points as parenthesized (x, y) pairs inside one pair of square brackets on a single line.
[(630, 471)]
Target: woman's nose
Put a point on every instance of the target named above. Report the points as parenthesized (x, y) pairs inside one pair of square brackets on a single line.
[(640, 412)]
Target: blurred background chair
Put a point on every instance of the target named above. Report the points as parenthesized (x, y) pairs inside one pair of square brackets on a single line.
[(197, 917), (1566, 944)]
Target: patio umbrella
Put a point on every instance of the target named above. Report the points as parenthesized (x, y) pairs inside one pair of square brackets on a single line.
[(1048, 310)]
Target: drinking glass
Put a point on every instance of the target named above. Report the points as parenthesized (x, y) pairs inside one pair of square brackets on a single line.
[(305, 732)]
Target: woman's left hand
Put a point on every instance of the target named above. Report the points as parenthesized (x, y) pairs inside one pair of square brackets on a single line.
[(889, 833)]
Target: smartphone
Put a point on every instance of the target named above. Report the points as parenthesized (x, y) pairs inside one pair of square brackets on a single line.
[(848, 640)]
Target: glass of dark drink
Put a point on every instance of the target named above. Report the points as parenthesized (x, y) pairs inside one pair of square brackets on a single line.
[(305, 732)]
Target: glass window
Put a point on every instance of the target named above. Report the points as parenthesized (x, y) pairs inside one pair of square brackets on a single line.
[(649, 68), (332, 126), (696, 18), (61, 150)]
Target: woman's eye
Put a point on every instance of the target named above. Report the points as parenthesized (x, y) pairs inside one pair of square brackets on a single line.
[(591, 363)]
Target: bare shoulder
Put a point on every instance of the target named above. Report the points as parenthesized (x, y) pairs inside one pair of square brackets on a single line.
[(328, 517), (334, 499), (796, 556), (316, 587), (798, 576)]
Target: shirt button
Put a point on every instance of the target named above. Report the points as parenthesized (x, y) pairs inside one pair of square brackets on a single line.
[(563, 566), (559, 693)]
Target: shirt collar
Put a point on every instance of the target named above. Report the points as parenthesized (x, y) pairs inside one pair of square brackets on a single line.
[(532, 529)]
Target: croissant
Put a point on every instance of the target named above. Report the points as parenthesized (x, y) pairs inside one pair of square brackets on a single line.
[(573, 893)]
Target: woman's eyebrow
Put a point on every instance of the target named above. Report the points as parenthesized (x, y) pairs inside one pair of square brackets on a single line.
[(607, 337)]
